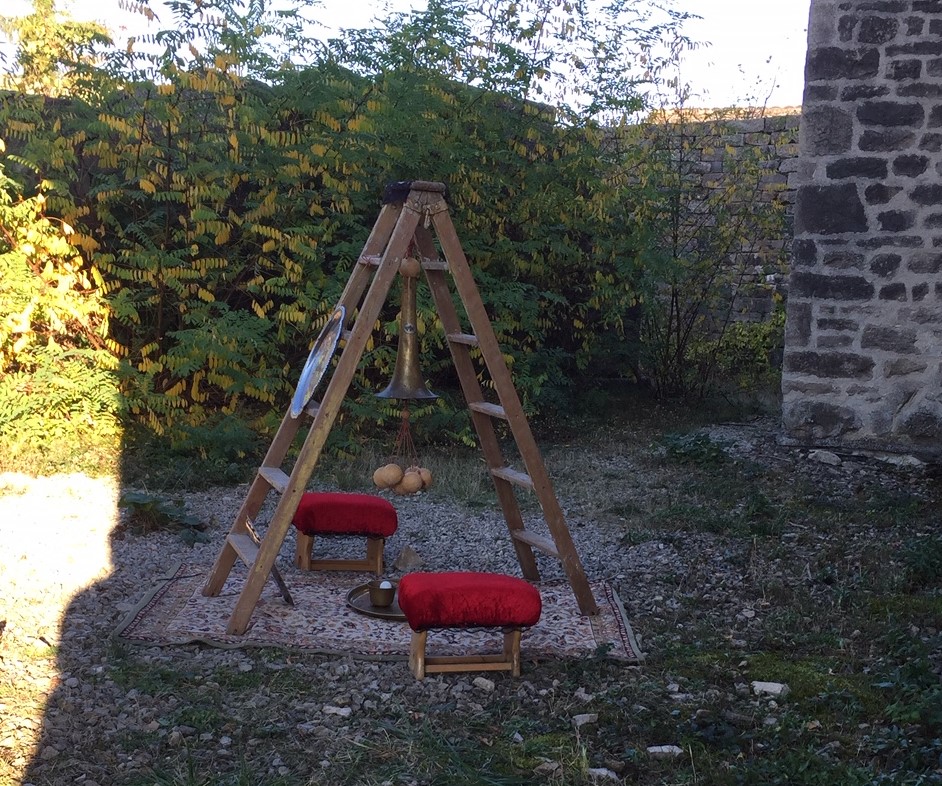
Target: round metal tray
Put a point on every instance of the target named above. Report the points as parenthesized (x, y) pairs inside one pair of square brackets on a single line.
[(358, 599)]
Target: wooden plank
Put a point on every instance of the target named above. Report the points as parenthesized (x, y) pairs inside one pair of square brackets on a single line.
[(540, 542), (463, 338), (275, 478), (513, 476), (244, 546), (486, 408)]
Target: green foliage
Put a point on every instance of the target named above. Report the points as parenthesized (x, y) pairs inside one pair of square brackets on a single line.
[(59, 403), (922, 563), (222, 174), (149, 512)]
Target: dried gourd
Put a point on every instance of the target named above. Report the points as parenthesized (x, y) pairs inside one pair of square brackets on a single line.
[(387, 476)]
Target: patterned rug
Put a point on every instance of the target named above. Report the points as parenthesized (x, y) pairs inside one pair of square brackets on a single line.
[(176, 612)]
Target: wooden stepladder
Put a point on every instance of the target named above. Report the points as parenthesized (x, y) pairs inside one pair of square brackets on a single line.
[(414, 214)]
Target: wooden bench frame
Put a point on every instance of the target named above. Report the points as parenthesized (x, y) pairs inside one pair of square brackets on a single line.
[(373, 560), (509, 660)]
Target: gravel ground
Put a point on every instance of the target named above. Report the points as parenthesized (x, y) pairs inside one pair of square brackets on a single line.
[(70, 572)]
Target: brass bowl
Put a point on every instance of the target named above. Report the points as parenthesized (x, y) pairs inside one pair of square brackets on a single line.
[(381, 597)]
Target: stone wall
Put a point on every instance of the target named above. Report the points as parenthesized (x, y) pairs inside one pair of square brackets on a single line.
[(863, 357), (714, 140)]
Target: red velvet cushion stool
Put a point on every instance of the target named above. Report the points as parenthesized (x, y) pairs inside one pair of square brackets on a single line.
[(467, 600), (360, 515)]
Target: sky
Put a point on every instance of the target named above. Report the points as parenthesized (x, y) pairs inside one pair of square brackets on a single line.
[(755, 53)]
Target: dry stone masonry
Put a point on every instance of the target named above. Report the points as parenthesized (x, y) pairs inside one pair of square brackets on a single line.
[(863, 359)]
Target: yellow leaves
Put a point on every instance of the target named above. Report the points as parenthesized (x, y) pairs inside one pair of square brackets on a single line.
[(147, 186)]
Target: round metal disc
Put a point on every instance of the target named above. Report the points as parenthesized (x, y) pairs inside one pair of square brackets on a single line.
[(317, 362)]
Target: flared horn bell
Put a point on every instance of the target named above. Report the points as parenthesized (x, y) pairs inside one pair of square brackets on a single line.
[(407, 381)]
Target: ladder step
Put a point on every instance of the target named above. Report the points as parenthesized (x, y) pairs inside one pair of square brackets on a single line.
[(275, 478), (544, 544), (370, 259), (514, 476), (494, 410), (312, 408), (434, 264), (244, 546), (463, 338)]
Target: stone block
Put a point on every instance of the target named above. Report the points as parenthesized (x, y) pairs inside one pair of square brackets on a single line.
[(826, 130), (904, 69), (925, 262), (830, 365), (846, 26), (934, 67), (877, 29), (798, 324), (891, 113), (919, 292), (855, 93), (922, 425), (829, 209), (857, 167), (880, 194), (804, 252), (891, 241), (895, 291), (914, 48), (919, 90), (815, 93), (838, 324), (935, 117), (892, 140), (928, 6), (843, 260), (931, 143), (889, 339), (911, 165), (901, 367), (830, 62), (927, 194), (933, 221), (915, 25), (896, 220), (816, 285), (818, 420), (885, 265)]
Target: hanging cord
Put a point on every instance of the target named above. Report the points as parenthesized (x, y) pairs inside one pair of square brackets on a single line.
[(404, 450)]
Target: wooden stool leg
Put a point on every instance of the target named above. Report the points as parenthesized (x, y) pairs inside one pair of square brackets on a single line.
[(417, 653), (303, 551), (374, 554), (512, 650)]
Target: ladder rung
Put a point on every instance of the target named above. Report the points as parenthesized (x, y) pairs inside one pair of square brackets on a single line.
[(544, 544), (370, 259), (514, 476), (312, 408), (463, 338), (434, 264), (494, 410), (244, 546), (275, 478)]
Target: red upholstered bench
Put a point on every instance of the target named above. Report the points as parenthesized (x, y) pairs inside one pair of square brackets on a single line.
[(360, 515), (467, 600)]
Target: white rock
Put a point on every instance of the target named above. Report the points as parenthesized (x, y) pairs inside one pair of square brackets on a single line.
[(779, 689), (665, 751), (825, 457), (601, 773), (518, 737), (484, 684), (588, 717), (343, 712)]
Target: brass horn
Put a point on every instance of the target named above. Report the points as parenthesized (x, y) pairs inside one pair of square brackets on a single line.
[(407, 382)]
